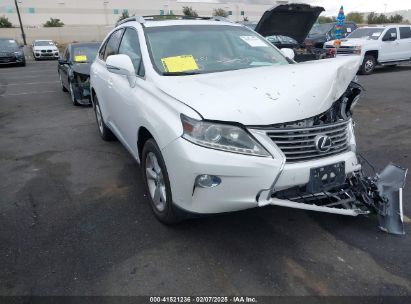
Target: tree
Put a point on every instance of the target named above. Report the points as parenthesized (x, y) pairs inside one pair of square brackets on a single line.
[(397, 18), (189, 11), (355, 17), (5, 23), (124, 15), (220, 12), (325, 19), (53, 23)]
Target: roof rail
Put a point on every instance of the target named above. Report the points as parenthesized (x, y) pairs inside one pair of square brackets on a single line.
[(143, 19), (131, 19)]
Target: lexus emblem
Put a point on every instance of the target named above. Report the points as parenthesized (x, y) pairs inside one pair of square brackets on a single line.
[(323, 143)]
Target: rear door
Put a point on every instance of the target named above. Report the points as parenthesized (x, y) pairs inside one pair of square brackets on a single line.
[(390, 46), (405, 41)]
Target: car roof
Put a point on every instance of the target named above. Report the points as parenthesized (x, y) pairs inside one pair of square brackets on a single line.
[(163, 23)]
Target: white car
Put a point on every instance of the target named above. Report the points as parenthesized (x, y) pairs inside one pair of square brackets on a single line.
[(377, 45), (220, 120), (45, 49)]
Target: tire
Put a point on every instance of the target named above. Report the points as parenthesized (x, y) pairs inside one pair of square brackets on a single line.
[(63, 88), (72, 95), (105, 132), (368, 65), (157, 183)]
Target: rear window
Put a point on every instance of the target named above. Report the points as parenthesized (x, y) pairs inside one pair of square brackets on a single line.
[(405, 32)]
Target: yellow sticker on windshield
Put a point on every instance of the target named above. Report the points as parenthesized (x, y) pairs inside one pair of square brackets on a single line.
[(80, 58), (181, 63)]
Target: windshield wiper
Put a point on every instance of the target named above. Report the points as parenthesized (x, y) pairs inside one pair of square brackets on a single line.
[(180, 73)]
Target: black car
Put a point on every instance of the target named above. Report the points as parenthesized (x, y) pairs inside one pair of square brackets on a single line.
[(287, 26), (74, 70), (321, 33), (11, 52)]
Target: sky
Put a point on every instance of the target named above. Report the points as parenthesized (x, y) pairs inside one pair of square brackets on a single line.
[(332, 6)]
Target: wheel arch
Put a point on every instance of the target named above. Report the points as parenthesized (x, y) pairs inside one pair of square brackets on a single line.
[(373, 53), (142, 136)]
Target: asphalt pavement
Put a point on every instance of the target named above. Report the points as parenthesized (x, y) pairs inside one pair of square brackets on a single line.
[(74, 218)]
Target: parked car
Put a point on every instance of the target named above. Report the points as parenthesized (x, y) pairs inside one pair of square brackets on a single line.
[(226, 122), (74, 70), (45, 49), (321, 33), (287, 26), (11, 52), (377, 45)]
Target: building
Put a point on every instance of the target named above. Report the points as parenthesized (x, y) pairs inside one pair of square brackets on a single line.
[(34, 13)]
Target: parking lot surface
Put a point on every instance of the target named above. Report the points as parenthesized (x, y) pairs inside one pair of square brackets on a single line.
[(74, 219)]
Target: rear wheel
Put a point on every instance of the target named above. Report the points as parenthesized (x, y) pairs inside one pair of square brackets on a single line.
[(157, 183), (368, 65), (105, 132)]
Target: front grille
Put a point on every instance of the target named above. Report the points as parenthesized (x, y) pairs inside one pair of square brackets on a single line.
[(299, 144)]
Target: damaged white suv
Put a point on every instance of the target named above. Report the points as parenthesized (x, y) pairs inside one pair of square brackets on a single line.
[(220, 120)]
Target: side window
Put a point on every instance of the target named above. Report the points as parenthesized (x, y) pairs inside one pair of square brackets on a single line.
[(405, 32), (67, 54), (102, 50), (390, 35), (130, 46), (112, 44)]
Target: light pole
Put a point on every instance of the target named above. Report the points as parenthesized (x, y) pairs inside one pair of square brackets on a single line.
[(21, 24)]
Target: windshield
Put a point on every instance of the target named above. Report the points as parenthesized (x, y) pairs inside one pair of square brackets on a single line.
[(8, 44), (321, 29), (44, 43), (372, 33), (208, 48), (279, 39), (85, 53)]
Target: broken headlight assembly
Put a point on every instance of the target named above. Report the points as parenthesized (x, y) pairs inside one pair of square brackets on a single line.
[(224, 137)]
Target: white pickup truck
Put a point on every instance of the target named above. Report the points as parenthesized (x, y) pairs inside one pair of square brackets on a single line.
[(378, 45)]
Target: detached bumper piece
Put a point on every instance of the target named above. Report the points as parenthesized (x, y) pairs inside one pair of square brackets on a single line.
[(357, 195), (383, 195)]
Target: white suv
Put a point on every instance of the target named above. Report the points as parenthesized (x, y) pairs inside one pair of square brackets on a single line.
[(45, 49), (377, 45), (220, 120)]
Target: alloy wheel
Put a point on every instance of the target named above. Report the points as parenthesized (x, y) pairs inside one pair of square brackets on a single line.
[(99, 118), (155, 182)]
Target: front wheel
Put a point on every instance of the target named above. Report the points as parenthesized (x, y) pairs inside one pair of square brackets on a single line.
[(63, 88), (368, 65), (157, 183), (72, 95), (105, 132)]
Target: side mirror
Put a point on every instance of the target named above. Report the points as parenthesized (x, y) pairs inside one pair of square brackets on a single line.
[(121, 65), (289, 53), (62, 61)]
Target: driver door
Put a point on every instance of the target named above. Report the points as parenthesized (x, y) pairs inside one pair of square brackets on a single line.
[(126, 99)]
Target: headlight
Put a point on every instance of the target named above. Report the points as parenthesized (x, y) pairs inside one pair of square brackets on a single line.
[(357, 50), (222, 137)]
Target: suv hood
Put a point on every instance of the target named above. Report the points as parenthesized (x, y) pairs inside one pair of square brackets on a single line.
[(292, 20), (355, 42), (51, 47), (265, 95)]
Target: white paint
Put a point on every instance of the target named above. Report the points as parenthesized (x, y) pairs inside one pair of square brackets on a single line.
[(254, 96)]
